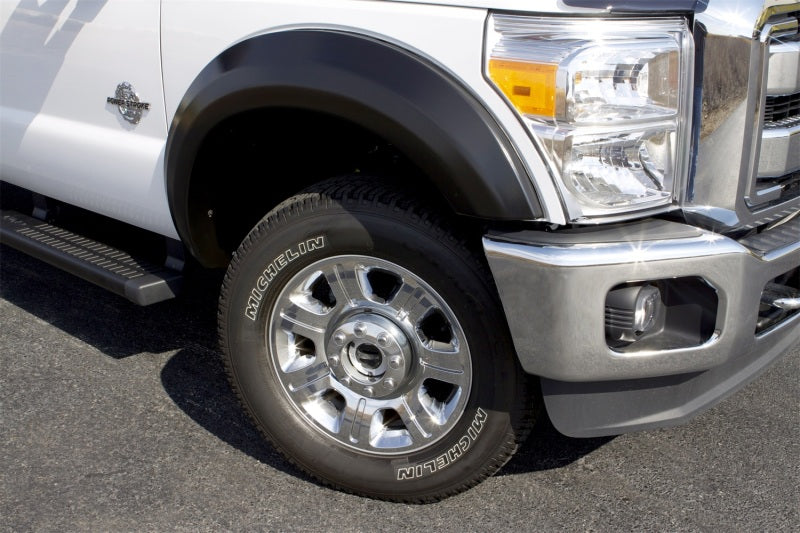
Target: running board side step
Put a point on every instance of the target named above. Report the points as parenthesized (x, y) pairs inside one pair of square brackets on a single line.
[(139, 281)]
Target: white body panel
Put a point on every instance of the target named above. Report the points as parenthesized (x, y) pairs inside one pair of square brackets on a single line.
[(194, 33), (60, 138), (538, 6), (60, 61)]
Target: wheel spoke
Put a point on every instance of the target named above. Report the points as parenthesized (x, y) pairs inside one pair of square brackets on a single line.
[(413, 303), (444, 366), (308, 381), (357, 419), (345, 283), (418, 422), (303, 322)]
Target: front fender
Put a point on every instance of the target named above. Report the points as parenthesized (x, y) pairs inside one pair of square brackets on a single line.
[(407, 100)]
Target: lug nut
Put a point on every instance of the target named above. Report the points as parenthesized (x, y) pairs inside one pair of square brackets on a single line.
[(389, 383), (360, 329), (333, 361), (369, 391), (345, 381), (339, 338), (395, 361), (383, 339)]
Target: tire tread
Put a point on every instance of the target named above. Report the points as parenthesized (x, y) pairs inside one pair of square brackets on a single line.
[(362, 192)]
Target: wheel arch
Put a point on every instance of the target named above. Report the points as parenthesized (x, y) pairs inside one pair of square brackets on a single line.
[(417, 107)]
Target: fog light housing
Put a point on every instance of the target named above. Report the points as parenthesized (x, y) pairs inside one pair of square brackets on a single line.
[(632, 312), (659, 315)]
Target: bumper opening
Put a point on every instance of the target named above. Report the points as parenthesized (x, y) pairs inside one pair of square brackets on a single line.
[(684, 316)]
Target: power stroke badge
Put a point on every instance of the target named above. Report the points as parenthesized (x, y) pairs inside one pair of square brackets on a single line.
[(127, 101), (447, 458)]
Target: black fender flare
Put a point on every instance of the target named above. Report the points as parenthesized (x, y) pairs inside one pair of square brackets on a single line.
[(407, 100)]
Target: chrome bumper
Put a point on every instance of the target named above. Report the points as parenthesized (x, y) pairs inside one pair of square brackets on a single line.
[(553, 287)]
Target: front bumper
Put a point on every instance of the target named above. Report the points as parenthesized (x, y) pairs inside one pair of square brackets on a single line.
[(554, 286)]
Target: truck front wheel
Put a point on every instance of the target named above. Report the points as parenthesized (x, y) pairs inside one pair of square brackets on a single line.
[(366, 342)]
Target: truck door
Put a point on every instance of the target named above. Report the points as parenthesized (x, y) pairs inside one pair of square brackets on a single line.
[(81, 105)]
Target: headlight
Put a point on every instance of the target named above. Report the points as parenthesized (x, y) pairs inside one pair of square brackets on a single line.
[(608, 99)]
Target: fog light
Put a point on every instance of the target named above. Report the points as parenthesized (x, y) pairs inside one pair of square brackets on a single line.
[(646, 309), (632, 311)]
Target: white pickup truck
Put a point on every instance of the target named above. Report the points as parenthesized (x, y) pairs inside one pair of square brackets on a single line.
[(439, 218)]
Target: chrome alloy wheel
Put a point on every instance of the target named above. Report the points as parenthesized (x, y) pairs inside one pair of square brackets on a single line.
[(369, 354)]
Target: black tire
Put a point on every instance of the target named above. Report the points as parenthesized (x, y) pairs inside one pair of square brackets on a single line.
[(282, 269)]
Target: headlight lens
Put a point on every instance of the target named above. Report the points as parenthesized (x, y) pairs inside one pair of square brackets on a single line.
[(620, 169), (607, 98)]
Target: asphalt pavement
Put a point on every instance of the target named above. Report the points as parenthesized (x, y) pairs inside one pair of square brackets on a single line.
[(118, 418)]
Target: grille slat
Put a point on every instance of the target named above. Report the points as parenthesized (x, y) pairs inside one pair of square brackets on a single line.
[(782, 111)]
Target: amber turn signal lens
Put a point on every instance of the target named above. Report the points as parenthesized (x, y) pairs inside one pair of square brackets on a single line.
[(531, 87)]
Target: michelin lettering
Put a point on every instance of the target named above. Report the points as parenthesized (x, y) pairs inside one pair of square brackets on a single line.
[(275, 266), (450, 456)]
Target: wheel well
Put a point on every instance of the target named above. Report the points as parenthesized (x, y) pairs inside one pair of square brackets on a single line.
[(252, 161)]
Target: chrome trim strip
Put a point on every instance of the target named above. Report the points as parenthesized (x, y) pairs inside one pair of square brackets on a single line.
[(771, 9), (617, 253)]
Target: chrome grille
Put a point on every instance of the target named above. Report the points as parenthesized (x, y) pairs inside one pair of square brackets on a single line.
[(747, 116), (776, 179)]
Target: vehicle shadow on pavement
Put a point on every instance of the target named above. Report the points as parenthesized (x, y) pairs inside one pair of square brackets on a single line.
[(194, 377), (107, 322), (547, 449), (195, 380)]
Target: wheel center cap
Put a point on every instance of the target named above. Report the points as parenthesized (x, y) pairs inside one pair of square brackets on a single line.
[(369, 354), (367, 359)]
